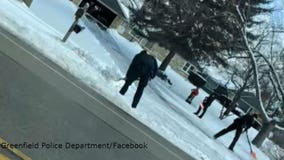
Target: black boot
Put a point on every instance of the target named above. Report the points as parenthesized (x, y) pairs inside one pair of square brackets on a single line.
[(124, 89), (196, 113), (188, 101)]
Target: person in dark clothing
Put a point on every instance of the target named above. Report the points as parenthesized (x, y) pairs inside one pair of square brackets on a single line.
[(143, 67), (194, 93), (164, 77), (243, 122), (205, 104)]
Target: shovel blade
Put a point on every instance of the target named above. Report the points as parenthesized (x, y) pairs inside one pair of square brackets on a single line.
[(253, 155)]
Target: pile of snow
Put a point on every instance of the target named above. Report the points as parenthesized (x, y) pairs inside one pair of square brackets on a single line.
[(272, 150), (83, 64)]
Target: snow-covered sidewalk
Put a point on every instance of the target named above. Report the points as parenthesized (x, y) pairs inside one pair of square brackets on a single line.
[(88, 57)]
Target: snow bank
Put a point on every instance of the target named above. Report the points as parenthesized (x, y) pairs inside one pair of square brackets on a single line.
[(272, 150)]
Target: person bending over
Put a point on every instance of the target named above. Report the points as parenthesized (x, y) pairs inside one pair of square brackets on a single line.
[(241, 123), (143, 68)]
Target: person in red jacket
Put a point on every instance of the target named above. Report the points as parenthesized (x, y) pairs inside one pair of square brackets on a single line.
[(194, 93)]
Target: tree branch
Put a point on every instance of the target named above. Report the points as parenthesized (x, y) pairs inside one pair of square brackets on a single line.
[(272, 70), (238, 57), (279, 128), (254, 67), (274, 87)]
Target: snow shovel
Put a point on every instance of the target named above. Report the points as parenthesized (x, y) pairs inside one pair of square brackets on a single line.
[(251, 151)]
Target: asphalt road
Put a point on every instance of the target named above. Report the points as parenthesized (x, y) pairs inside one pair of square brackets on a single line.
[(41, 104), (34, 112)]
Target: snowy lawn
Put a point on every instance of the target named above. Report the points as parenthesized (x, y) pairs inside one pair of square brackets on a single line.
[(99, 57)]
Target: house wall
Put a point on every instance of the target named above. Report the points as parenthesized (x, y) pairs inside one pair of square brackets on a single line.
[(117, 23), (126, 34), (177, 64), (77, 1)]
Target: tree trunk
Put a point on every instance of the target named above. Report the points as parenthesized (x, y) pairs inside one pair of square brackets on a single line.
[(270, 101), (237, 96), (263, 133), (167, 61), (233, 105)]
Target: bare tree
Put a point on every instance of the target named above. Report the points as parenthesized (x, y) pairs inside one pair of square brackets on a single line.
[(268, 124), (238, 93)]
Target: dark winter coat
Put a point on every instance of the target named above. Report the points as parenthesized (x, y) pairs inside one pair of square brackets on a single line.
[(208, 100), (143, 65), (245, 121)]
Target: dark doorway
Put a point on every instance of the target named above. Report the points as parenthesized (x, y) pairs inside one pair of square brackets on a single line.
[(100, 12)]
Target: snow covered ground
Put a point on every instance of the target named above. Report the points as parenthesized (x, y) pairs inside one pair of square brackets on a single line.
[(99, 57)]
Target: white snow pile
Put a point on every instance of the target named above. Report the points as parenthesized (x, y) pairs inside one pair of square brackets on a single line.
[(272, 150), (81, 63)]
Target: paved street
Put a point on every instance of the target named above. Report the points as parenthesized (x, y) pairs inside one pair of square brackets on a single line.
[(42, 105), (32, 111)]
